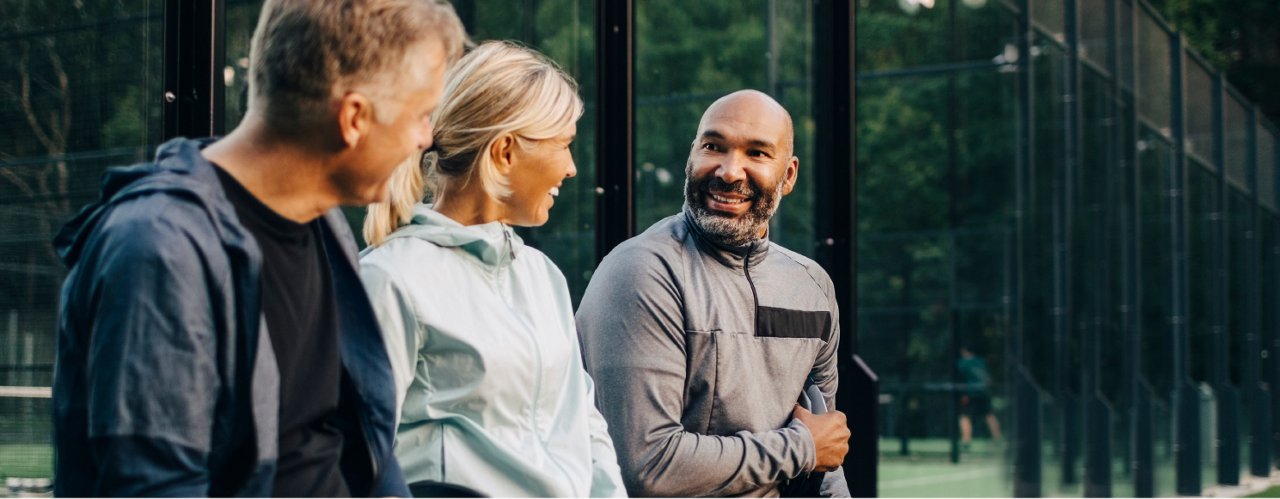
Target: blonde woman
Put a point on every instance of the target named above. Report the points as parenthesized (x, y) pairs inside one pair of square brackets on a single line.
[(479, 327)]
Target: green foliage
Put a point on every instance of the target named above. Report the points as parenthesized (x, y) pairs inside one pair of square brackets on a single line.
[(1239, 36)]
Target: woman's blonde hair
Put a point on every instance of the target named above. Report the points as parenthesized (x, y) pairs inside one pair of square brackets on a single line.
[(499, 89)]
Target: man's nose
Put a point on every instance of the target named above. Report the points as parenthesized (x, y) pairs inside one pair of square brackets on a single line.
[(730, 170)]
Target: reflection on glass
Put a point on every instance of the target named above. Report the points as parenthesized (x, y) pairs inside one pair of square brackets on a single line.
[(725, 46), (564, 30), (79, 92)]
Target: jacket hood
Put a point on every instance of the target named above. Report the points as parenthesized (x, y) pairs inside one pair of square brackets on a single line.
[(493, 243), (179, 170)]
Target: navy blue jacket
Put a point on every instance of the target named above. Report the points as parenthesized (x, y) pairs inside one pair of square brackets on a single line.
[(166, 384)]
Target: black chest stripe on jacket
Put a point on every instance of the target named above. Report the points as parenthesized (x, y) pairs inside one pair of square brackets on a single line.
[(785, 323)]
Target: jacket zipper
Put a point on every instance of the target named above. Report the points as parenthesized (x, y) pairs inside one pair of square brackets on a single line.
[(506, 234), (755, 297)]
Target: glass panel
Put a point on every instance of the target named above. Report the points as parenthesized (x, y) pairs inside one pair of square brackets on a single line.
[(1236, 125), (1050, 15), (893, 34), (1203, 219), (1155, 267), (1270, 314), (1154, 73), (764, 45), (931, 273), (564, 30), (242, 18), (1199, 112), (1093, 31), (1240, 306), (900, 34), (1126, 40), (1267, 167), (985, 30), (1096, 286), (79, 91)]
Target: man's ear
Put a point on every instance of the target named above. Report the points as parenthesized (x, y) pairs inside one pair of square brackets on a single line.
[(355, 116), (500, 151), (789, 177)]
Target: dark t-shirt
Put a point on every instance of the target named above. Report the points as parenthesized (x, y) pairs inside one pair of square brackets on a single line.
[(298, 302)]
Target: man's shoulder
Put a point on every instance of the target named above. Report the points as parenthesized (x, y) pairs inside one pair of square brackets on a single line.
[(158, 218), (804, 264)]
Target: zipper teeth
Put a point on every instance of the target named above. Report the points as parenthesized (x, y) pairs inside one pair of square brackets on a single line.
[(755, 298)]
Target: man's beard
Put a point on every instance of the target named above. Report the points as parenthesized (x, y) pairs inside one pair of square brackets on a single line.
[(726, 230)]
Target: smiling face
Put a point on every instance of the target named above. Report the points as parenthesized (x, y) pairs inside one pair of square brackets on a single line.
[(536, 172), (740, 167)]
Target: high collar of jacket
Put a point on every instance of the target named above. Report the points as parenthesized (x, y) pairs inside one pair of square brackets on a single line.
[(751, 253), (493, 243), (179, 170)]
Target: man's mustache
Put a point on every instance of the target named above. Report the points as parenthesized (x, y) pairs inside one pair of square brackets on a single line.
[(715, 184)]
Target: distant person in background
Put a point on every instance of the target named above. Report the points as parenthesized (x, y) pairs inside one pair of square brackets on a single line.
[(214, 339), (975, 397), (489, 381), (704, 335)]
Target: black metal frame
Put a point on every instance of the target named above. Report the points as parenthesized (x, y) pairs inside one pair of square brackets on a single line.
[(836, 213), (615, 141), (193, 55)]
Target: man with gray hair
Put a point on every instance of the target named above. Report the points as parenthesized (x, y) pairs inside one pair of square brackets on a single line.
[(214, 337), (713, 349)]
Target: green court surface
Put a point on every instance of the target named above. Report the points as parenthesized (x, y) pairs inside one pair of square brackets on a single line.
[(1271, 492), (926, 471), (26, 461)]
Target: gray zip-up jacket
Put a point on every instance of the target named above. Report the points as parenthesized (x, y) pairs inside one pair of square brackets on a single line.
[(700, 353)]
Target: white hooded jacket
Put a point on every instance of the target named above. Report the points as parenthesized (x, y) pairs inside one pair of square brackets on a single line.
[(490, 386)]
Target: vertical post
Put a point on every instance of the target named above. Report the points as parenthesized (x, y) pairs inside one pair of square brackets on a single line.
[(1070, 403), (1026, 400), (193, 55), (953, 224), (1141, 447), (1272, 334), (1187, 399), (1227, 446), (615, 220), (836, 199)]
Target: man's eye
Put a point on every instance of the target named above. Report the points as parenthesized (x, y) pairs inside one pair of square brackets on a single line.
[(710, 147)]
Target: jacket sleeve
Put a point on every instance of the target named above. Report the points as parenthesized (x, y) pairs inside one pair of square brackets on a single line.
[(825, 373), (152, 377), (401, 333), (606, 477), (632, 332)]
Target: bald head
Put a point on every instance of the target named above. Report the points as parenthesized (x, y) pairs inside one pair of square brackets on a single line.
[(754, 111), (741, 165)]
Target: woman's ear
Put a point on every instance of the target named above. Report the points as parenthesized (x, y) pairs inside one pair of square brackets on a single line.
[(501, 152)]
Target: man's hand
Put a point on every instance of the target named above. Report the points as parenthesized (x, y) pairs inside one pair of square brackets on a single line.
[(830, 437)]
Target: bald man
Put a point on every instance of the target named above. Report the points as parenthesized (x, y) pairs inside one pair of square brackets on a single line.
[(713, 349)]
